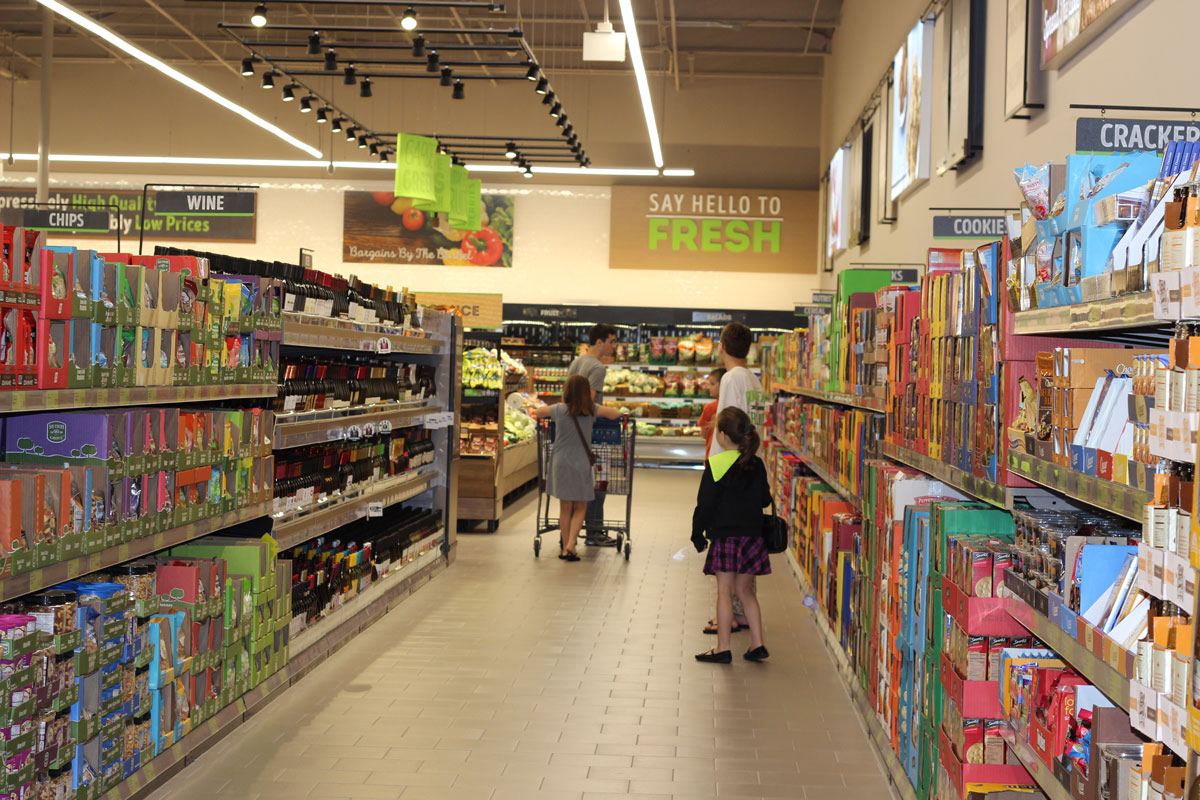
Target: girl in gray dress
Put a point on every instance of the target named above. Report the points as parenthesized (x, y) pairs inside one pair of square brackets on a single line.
[(570, 477)]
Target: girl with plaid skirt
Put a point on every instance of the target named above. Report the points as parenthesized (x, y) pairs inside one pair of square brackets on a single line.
[(729, 515)]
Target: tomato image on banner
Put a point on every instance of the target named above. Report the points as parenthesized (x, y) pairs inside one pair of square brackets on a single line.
[(380, 228)]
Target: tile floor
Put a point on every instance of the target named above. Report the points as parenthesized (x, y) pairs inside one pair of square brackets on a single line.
[(514, 678)]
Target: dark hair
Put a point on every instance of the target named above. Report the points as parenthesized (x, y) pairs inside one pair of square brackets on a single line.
[(577, 394), (736, 339), (736, 424), (717, 374), (600, 332)]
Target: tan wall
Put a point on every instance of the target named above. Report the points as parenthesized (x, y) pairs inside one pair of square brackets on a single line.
[(758, 132), (1115, 69)]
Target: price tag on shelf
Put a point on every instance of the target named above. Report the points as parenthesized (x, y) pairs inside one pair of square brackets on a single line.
[(353, 432), (368, 429), (384, 345), (1142, 704), (385, 426), (442, 419), (375, 508)]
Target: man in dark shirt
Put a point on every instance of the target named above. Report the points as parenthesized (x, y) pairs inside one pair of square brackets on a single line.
[(602, 342)]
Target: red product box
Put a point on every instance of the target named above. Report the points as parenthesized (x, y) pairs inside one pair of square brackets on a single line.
[(57, 276), (53, 343), (18, 347)]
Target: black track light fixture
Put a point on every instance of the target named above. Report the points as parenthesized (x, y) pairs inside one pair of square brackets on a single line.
[(374, 149), (351, 133), (561, 121), (383, 155), (331, 61), (510, 150), (556, 109), (322, 115), (527, 174), (364, 88), (454, 161), (533, 73), (568, 131), (348, 75), (305, 105), (431, 61), (409, 20), (574, 140), (258, 18), (587, 162), (543, 85), (314, 43), (362, 142), (460, 91), (548, 100), (289, 92), (447, 77), (336, 125), (268, 81), (248, 66), (418, 46)]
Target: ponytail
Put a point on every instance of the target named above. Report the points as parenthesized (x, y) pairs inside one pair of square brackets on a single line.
[(736, 424)]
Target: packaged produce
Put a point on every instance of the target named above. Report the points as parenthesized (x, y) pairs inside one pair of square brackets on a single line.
[(687, 350), (670, 349)]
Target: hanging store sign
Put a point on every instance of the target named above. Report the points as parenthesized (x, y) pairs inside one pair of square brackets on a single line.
[(477, 310), (720, 230), (812, 310), (206, 204), (123, 208), (1108, 135), (68, 220), (969, 226), (822, 298), (381, 228)]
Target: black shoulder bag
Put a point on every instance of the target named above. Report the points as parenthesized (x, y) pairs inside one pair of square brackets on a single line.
[(775, 531)]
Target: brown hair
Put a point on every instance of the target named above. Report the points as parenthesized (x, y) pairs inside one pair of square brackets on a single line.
[(716, 376), (736, 338), (577, 394), (734, 423)]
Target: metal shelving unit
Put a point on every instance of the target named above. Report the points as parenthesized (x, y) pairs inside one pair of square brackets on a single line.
[(301, 330), (60, 399), (1115, 498), (822, 471), (853, 401), (965, 482), (1113, 313)]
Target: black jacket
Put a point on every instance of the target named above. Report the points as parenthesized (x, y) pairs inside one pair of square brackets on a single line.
[(732, 504)]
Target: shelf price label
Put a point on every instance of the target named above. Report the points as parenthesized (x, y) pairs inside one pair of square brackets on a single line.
[(440, 420), (384, 345), (375, 508), (368, 429), (385, 426)]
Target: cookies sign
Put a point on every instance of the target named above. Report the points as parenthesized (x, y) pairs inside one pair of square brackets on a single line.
[(731, 230)]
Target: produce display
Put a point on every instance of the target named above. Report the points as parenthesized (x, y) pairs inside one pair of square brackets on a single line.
[(518, 426), (512, 366), (482, 370), (630, 382)]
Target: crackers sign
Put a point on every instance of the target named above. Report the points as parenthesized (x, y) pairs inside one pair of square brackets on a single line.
[(732, 230)]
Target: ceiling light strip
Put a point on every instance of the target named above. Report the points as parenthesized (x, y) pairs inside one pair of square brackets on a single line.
[(639, 70), (91, 25), (305, 163)]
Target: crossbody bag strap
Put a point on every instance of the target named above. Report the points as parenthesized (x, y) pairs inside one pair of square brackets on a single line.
[(586, 448)]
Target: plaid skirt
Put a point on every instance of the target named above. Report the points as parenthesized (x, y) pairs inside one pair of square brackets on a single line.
[(745, 555)]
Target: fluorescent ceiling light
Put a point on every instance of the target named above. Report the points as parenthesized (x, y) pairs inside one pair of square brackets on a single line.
[(639, 70), (295, 162), (141, 55)]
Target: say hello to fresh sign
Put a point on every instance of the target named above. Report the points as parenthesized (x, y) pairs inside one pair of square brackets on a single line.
[(737, 230)]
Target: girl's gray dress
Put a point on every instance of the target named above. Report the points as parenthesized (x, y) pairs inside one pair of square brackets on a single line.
[(571, 476)]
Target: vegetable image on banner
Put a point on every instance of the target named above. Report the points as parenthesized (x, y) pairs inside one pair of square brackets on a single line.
[(380, 228)]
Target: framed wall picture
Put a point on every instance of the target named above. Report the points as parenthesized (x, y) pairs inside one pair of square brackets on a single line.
[(967, 21), (885, 206), (866, 148), (838, 206), (1024, 84), (854, 187), (911, 104)]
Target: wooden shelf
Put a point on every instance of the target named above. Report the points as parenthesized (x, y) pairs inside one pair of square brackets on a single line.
[(315, 427), (61, 399), (38, 579), (303, 526), (301, 330)]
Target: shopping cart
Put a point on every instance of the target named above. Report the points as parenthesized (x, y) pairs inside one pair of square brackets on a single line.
[(612, 444)]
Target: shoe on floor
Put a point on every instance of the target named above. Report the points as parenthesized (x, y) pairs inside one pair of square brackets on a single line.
[(715, 657), (601, 540), (757, 654), (711, 628)]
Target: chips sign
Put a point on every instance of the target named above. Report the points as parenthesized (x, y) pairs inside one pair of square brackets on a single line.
[(732, 230), (67, 220)]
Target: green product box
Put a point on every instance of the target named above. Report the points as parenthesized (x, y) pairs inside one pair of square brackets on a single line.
[(23, 561), (70, 546), (15, 648), (253, 558)]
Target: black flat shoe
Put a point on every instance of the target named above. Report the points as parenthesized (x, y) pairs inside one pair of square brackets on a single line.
[(714, 657), (757, 654), (569, 557)]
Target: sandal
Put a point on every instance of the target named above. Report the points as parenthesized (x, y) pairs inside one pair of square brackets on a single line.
[(714, 657), (711, 628)]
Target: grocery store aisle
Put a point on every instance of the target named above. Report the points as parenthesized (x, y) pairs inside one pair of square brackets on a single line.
[(514, 678)]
